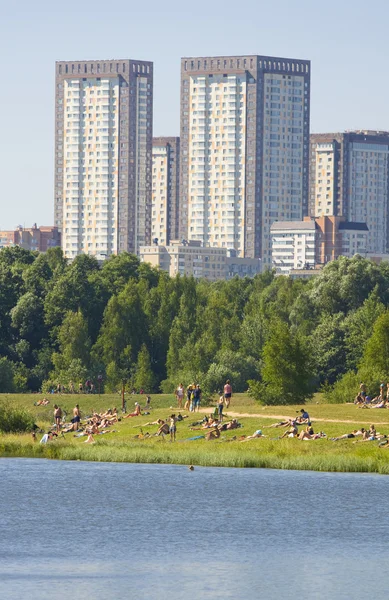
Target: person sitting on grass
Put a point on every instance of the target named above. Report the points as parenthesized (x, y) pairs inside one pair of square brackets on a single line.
[(214, 434), (303, 418), (163, 429), (90, 439), (291, 432), (309, 434), (136, 413)]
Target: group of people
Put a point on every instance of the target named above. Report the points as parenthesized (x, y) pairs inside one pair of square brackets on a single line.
[(193, 395), (92, 425), (83, 388), (363, 400)]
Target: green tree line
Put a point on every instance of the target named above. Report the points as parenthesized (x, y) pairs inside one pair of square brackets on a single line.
[(66, 322)]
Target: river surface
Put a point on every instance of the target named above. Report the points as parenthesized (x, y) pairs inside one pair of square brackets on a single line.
[(111, 531)]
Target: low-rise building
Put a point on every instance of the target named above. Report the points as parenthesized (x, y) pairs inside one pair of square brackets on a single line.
[(34, 238), (303, 245), (191, 258)]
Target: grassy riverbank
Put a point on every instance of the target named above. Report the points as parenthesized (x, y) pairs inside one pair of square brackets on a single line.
[(269, 452)]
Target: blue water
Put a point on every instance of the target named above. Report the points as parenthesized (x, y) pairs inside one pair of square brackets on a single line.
[(112, 531)]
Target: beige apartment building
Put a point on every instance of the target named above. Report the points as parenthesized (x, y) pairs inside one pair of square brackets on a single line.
[(103, 155), (244, 149), (165, 189), (349, 177), (190, 258)]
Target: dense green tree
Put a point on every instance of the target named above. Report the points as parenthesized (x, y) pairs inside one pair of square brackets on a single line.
[(327, 348), (286, 374), (144, 377), (358, 328)]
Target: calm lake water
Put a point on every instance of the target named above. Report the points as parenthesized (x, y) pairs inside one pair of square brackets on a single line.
[(112, 531)]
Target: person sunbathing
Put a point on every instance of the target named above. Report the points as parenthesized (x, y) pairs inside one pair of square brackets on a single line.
[(288, 423), (229, 425), (214, 434), (136, 413), (163, 429), (256, 434), (43, 402), (309, 434), (351, 435), (291, 432), (90, 439)]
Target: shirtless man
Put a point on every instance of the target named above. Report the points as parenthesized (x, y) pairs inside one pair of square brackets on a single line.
[(76, 417), (227, 393), (57, 417)]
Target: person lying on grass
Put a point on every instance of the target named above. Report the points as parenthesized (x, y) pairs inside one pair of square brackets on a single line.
[(43, 402), (256, 434), (233, 424), (289, 423), (351, 435), (371, 435)]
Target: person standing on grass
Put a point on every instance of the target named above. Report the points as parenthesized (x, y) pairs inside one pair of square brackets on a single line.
[(57, 417), (189, 391), (180, 395), (76, 417), (196, 398), (227, 393), (220, 408), (173, 428)]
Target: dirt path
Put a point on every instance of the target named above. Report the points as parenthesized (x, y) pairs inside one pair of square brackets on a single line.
[(285, 417)]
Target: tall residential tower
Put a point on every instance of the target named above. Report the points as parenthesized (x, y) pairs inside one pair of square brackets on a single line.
[(349, 177), (166, 189), (103, 155), (244, 149)]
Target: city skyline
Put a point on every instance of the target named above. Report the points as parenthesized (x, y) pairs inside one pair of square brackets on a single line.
[(348, 91)]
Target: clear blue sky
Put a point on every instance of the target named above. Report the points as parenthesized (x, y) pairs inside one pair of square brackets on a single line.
[(346, 42)]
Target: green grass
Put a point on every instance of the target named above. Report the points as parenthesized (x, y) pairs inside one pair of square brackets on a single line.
[(319, 455)]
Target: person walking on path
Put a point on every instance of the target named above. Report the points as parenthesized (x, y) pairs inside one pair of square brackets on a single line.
[(227, 393)]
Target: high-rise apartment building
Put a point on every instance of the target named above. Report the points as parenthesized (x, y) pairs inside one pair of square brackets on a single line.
[(244, 149), (165, 189), (103, 155), (349, 177)]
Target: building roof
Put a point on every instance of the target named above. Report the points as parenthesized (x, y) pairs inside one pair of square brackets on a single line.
[(289, 225), (353, 226)]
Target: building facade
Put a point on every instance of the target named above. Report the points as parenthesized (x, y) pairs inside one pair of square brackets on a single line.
[(190, 258), (349, 177), (34, 238), (307, 244), (165, 189), (244, 149), (103, 155)]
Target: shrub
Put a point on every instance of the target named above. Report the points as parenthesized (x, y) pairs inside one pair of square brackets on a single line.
[(14, 420)]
